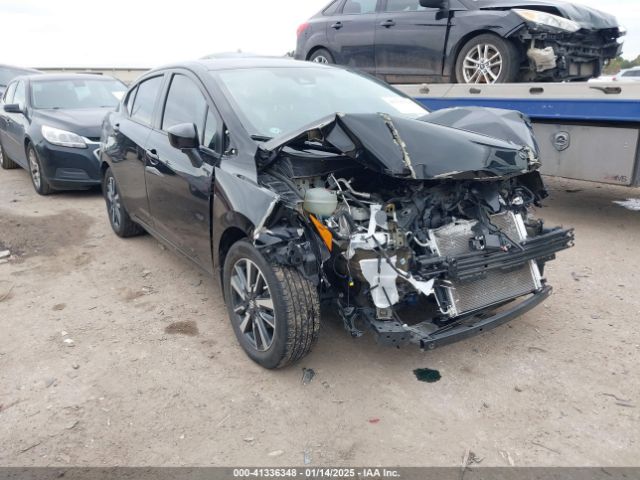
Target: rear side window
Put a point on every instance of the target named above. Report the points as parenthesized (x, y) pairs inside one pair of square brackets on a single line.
[(146, 99), (357, 7), (185, 104), (21, 94), (403, 6), (8, 95)]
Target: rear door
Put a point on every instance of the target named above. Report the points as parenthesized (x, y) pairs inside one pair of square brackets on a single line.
[(351, 34), (410, 39), (179, 182), (133, 127), (16, 126)]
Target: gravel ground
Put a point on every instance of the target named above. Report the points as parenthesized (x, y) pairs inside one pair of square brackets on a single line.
[(118, 352)]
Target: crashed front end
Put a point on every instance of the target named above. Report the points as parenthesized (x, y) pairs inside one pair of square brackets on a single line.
[(420, 230), (569, 42)]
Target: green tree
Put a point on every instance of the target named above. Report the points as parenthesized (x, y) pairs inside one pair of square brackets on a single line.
[(620, 63)]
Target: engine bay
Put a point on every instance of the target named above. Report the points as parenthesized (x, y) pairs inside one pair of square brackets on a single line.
[(395, 248)]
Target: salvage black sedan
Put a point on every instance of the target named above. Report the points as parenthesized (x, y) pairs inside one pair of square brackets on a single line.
[(464, 41), (50, 126), (296, 183)]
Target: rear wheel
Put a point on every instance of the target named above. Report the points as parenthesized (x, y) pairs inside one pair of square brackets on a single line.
[(119, 218), (6, 162), (38, 176), (274, 310), (322, 56), (487, 59)]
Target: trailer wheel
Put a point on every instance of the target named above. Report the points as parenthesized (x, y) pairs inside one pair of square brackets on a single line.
[(487, 59)]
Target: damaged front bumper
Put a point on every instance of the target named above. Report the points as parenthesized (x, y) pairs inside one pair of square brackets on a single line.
[(469, 327), (570, 56)]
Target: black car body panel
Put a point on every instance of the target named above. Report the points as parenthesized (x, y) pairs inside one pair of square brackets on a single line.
[(423, 46), (464, 173), (65, 168)]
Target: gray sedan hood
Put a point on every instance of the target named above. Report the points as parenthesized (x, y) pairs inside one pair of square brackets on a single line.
[(455, 143), (587, 17)]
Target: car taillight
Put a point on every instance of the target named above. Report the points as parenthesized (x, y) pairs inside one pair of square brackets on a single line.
[(302, 28)]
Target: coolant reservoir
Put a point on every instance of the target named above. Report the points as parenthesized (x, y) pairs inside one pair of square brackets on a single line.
[(320, 202)]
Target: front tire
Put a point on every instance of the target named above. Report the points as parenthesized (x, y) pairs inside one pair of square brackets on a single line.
[(38, 177), (274, 310), (119, 218), (322, 56), (5, 161), (487, 59)]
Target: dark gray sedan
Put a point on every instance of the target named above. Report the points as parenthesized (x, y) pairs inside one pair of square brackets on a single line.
[(465, 41)]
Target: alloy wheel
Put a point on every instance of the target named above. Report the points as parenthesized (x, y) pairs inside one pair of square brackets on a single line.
[(113, 203), (1, 156), (321, 59), (482, 64), (252, 304), (34, 169)]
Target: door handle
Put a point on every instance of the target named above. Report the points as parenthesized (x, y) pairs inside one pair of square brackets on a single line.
[(152, 156), (337, 25), (388, 23)]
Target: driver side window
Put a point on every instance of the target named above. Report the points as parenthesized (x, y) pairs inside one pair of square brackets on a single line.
[(403, 6)]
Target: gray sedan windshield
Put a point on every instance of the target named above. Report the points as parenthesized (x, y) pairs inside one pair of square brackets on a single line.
[(275, 101)]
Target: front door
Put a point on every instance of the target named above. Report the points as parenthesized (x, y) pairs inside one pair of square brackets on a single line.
[(179, 183), (351, 34), (410, 39), (16, 126)]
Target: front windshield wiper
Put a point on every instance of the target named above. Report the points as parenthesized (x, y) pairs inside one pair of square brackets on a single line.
[(261, 138)]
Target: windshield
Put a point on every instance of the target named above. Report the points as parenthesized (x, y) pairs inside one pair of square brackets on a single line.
[(76, 93), (8, 74), (274, 101)]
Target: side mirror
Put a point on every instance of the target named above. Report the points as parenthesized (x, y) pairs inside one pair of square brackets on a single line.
[(12, 108), (184, 136), (433, 3)]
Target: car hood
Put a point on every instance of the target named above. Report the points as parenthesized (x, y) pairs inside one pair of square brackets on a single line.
[(84, 122), (587, 17), (455, 143)]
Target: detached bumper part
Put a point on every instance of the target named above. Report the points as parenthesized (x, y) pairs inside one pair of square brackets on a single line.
[(465, 329), (430, 337), (543, 58)]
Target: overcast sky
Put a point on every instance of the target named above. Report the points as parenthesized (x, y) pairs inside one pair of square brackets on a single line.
[(92, 33)]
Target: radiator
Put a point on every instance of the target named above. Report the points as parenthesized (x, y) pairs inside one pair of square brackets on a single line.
[(496, 286)]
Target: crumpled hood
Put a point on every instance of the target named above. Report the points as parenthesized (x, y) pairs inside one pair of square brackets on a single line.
[(587, 17), (84, 122), (452, 143)]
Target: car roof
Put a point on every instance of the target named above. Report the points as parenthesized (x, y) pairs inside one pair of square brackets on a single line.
[(231, 62), (66, 76)]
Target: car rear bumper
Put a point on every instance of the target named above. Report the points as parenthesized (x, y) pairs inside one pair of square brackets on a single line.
[(70, 168)]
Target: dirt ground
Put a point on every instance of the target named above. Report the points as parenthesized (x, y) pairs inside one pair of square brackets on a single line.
[(118, 352)]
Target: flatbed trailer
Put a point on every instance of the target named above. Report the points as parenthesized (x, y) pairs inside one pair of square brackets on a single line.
[(586, 131)]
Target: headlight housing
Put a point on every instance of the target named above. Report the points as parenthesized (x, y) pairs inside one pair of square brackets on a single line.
[(62, 138), (548, 20)]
